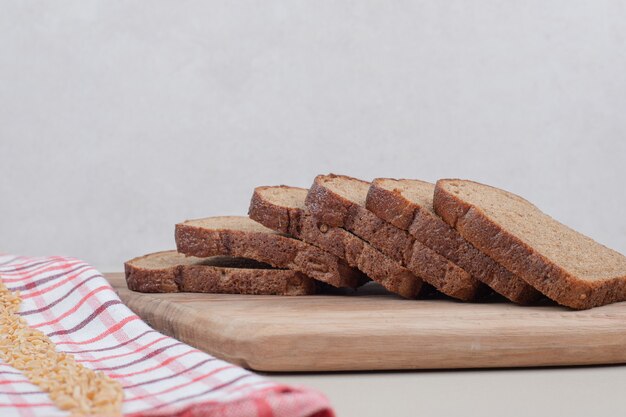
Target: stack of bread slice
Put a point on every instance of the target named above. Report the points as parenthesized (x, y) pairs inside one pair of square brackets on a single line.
[(462, 238)]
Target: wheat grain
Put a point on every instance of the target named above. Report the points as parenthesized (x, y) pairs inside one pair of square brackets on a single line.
[(70, 385)]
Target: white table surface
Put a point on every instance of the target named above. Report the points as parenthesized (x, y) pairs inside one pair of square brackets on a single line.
[(577, 391)]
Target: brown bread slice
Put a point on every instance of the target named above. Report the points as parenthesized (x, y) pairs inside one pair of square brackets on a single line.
[(565, 265), (243, 237), (408, 205), (282, 208), (337, 200), (170, 271)]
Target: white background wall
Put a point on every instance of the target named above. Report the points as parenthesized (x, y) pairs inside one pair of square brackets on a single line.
[(120, 118)]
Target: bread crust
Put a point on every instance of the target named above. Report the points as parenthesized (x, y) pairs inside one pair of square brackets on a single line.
[(432, 231), (280, 218), (521, 259), (357, 253), (332, 209), (214, 279), (142, 280), (275, 249)]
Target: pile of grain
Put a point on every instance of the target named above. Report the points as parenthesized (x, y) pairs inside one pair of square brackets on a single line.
[(70, 385)]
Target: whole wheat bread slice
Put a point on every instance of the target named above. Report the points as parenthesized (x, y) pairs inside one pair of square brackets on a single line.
[(243, 237), (565, 265), (282, 208), (170, 271), (337, 200), (408, 205)]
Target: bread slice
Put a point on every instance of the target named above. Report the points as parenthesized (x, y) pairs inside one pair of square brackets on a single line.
[(243, 237), (170, 271), (408, 205), (337, 200), (565, 265), (282, 208)]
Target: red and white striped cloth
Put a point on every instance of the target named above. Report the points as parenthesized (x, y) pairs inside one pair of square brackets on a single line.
[(77, 308)]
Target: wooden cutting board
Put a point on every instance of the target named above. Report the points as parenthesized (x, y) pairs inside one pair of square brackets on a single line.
[(374, 330)]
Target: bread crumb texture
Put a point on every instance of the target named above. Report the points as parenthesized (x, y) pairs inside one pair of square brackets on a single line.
[(70, 386), (572, 251)]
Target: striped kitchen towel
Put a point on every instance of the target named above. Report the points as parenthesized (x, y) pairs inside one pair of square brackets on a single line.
[(75, 306)]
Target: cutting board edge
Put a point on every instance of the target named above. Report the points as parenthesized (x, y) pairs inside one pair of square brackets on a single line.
[(263, 351), (185, 332)]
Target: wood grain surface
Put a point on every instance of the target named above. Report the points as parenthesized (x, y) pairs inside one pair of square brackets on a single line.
[(375, 330)]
